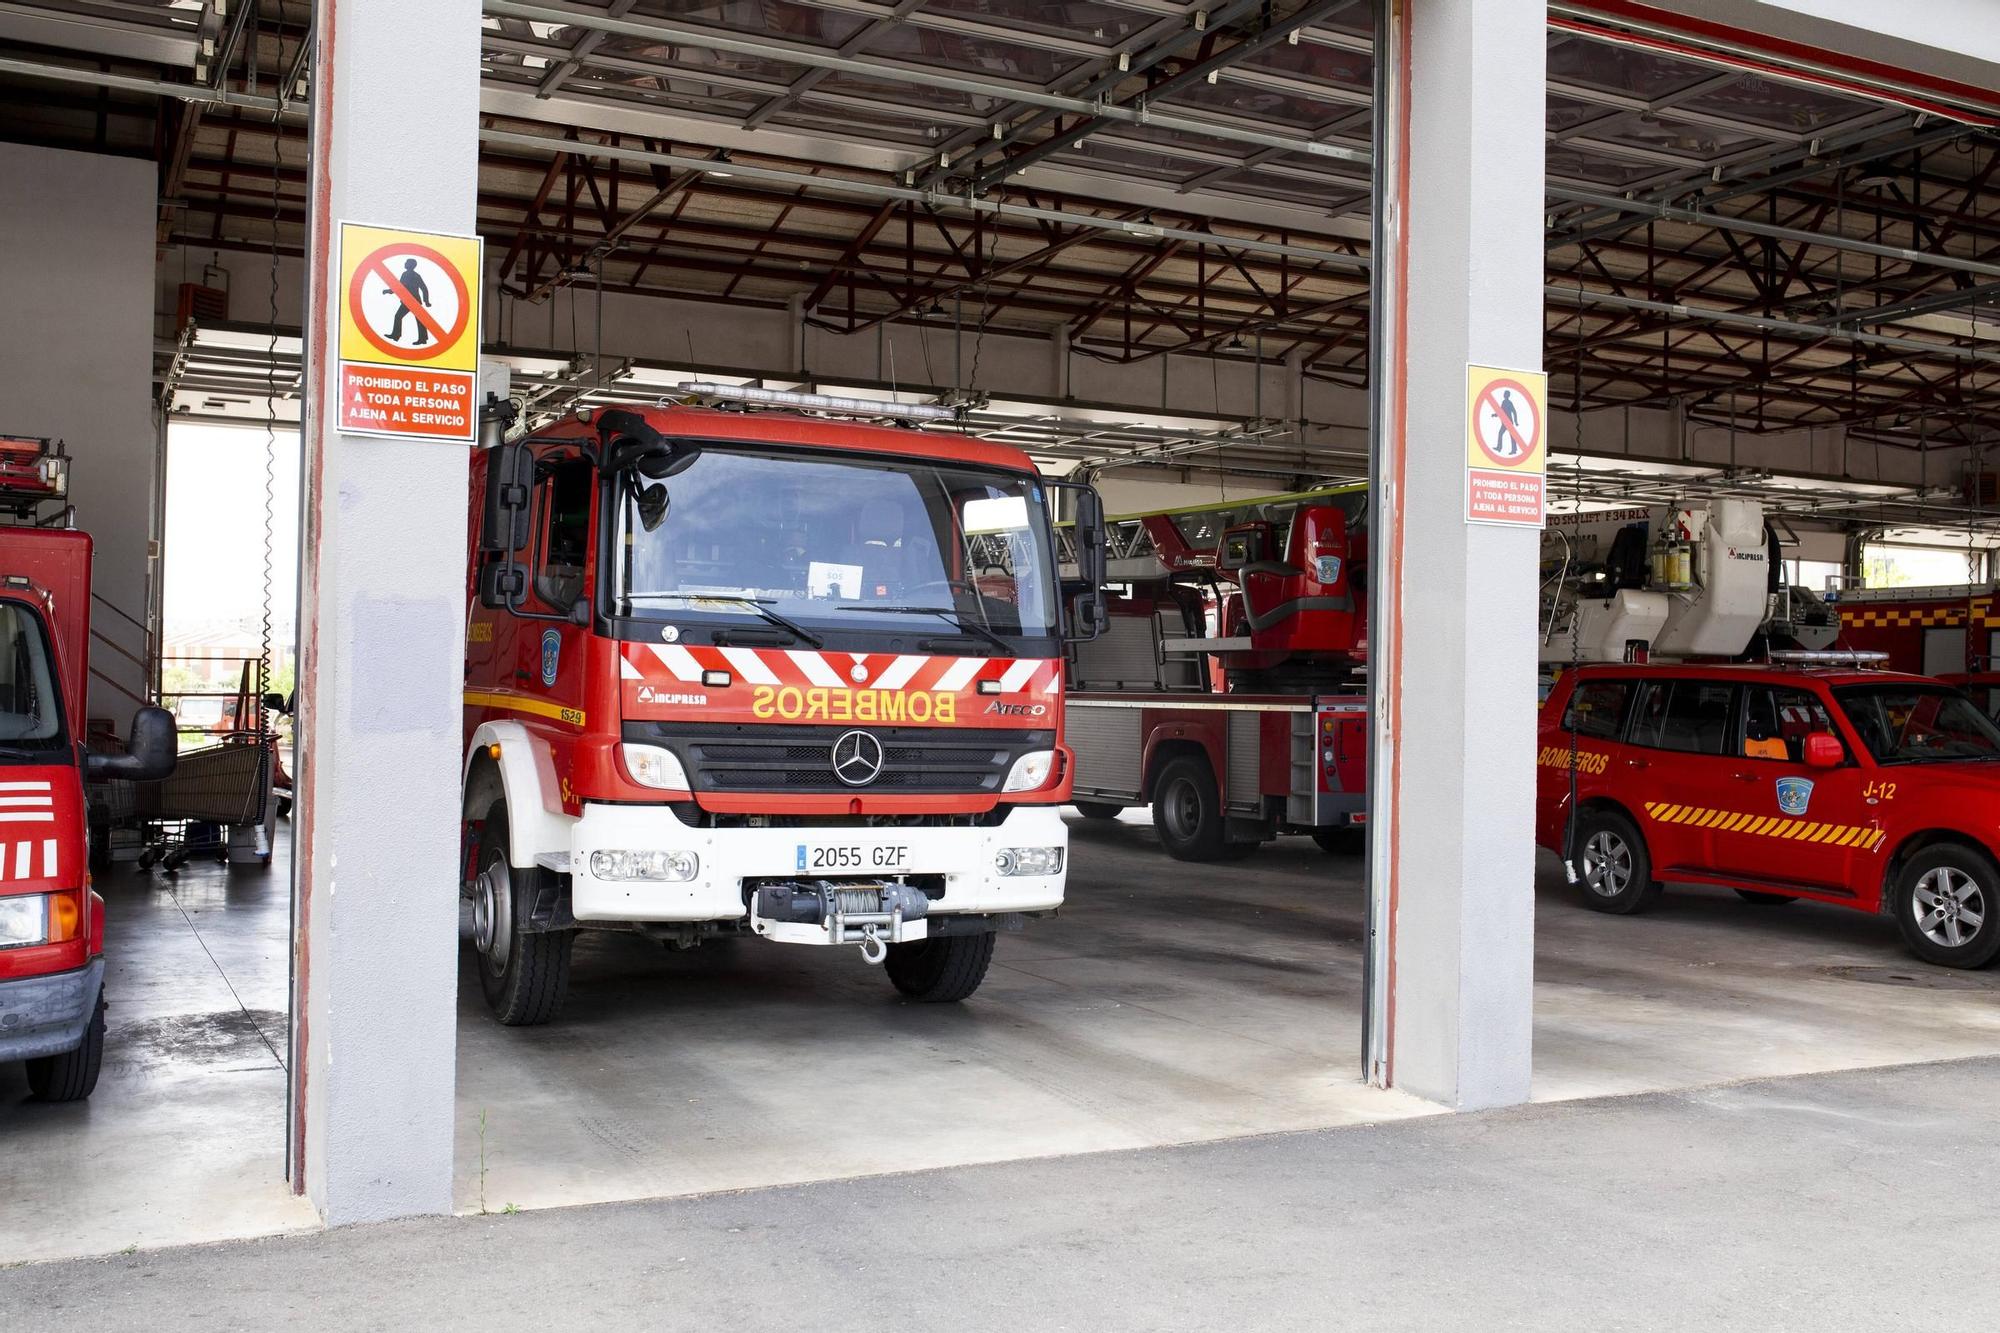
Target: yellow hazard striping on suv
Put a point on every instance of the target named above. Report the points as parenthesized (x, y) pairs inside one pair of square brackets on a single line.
[(1768, 826)]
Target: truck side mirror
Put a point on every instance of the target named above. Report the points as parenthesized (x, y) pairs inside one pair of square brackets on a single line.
[(1087, 613), (1824, 751), (503, 583), (510, 482), (149, 754)]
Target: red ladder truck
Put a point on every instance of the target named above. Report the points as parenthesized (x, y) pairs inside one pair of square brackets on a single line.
[(762, 673), (51, 920), (1227, 690), (1950, 631)]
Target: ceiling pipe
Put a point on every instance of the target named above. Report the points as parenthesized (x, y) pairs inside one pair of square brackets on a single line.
[(131, 83)]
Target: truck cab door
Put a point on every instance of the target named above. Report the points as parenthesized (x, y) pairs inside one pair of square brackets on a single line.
[(1787, 821)]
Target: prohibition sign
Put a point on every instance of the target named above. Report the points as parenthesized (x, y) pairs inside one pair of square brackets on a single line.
[(1525, 439), (376, 268)]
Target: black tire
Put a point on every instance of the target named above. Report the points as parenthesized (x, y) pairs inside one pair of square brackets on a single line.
[(1756, 899), (1947, 902), (1341, 841), (1187, 812), (72, 1075), (942, 970), (1099, 809), (526, 979), (1614, 869)]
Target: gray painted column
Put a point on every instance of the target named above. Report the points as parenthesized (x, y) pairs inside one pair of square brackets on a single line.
[(1460, 272), (382, 612)]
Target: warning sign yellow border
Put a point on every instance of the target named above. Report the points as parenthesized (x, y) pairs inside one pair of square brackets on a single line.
[(1506, 446), (416, 376)]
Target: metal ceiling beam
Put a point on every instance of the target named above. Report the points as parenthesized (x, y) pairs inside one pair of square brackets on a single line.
[(1920, 305), (1571, 296), (1786, 167), (1187, 78), (812, 58), (930, 198), (559, 72), (1699, 217), (1117, 70)]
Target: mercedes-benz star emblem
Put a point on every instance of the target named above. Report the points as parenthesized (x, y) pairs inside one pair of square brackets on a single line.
[(857, 758)]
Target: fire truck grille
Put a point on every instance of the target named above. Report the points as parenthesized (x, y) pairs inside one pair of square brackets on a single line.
[(915, 761)]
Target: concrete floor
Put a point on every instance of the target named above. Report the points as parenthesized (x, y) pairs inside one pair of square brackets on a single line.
[(1844, 1201), (184, 1139), (1167, 1004)]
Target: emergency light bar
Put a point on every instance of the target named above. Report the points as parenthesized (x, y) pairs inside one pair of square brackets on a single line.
[(817, 402), (1830, 656)]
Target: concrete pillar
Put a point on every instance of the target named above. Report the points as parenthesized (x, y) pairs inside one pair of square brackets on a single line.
[(382, 612), (1460, 272)]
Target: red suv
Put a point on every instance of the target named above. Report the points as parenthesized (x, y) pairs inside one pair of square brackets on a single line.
[(1871, 789)]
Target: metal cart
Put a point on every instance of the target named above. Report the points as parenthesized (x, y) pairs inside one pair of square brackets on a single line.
[(211, 794)]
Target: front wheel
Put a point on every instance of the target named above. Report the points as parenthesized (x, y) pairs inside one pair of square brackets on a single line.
[(72, 1075), (1945, 903), (1099, 809), (1615, 870), (524, 974), (941, 970)]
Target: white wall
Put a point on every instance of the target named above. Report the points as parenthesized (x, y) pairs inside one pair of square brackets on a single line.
[(76, 267)]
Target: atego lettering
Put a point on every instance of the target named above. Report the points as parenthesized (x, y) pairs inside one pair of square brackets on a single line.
[(792, 703)]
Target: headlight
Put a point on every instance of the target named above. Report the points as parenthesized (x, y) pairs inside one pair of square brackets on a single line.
[(24, 919), (672, 867), (1030, 771), (1029, 860), (651, 766)]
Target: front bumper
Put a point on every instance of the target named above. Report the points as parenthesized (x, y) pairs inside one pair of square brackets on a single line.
[(48, 1015), (961, 857)]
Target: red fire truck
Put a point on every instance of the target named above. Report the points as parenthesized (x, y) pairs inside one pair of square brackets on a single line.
[(1226, 689), (759, 672), (1951, 632), (51, 921)]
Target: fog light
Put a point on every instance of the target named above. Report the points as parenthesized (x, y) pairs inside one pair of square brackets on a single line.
[(671, 867), (1029, 860), (24, 919), (1030, 771)]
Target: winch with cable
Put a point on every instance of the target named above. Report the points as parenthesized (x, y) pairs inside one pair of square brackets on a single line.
[(824, 911)]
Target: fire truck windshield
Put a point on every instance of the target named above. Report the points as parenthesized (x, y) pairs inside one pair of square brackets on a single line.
[(1916, 724), (31, 728), (812, 540)]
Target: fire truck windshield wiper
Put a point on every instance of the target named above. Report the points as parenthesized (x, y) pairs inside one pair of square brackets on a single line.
[(944, 613), (759, 606)]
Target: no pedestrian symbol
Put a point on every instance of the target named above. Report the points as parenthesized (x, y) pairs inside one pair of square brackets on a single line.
[(409, 333), (1506, 457)]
